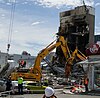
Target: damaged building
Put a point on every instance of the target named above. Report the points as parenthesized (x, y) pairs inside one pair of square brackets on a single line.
[(77, 27)]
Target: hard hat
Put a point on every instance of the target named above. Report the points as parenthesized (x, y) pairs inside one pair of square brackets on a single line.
[(49, 92), (20, 75)]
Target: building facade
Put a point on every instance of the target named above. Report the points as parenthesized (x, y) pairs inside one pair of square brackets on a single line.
[(77, 27)]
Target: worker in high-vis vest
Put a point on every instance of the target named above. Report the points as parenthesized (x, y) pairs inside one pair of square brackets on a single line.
[(20, 85), (86, 81)]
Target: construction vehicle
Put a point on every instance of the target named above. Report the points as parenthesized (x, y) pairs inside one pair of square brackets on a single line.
[(70, 61), (35, 73)]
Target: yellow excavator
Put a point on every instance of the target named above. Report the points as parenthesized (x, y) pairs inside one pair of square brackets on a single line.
[(35, 73), (70, 61)]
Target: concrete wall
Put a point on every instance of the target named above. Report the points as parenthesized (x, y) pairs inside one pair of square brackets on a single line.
[(3, 60), (79, 21)]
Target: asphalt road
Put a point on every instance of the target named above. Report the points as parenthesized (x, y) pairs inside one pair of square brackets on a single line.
[(58, 93), (58, 96)]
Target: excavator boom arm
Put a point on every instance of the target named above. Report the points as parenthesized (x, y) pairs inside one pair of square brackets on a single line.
[(61, 42)]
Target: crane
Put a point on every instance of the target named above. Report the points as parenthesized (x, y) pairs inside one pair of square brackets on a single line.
[(11, 24)]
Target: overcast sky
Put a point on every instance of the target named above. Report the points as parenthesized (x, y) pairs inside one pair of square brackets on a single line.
[(35, 23)]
